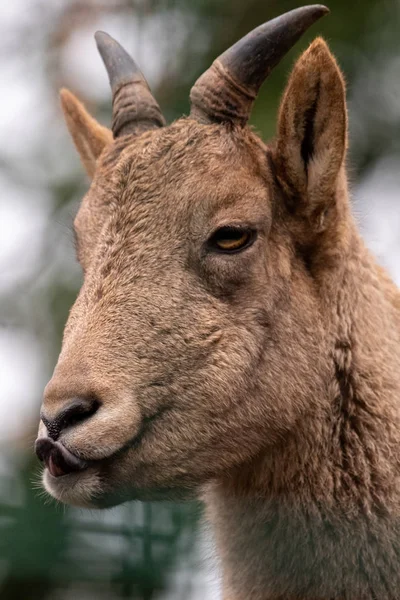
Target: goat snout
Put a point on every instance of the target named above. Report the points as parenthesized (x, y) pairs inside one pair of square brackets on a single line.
[(58, 460), (76, 411)]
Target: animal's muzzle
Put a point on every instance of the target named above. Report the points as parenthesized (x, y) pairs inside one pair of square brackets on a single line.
[(58, 460)]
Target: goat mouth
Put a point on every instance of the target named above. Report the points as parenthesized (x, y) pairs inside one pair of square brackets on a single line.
[(57, 459), (60, 461)]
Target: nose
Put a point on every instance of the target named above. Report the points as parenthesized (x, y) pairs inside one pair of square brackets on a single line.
[(76, 411)]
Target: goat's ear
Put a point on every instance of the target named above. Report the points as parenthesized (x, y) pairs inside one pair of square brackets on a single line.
[(312, 131), (90, 138)]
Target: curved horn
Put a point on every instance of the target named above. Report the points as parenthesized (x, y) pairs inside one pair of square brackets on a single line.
[(134, 108), (227, 90)]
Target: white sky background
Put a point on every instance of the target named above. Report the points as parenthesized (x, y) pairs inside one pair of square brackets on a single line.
[(31, 127)]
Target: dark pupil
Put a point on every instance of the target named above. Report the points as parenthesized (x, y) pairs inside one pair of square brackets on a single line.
[(229, 233)]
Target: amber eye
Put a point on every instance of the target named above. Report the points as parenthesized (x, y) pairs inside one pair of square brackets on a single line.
[(231, 239)]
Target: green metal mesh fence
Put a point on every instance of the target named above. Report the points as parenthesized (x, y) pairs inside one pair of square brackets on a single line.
[(48, 551)]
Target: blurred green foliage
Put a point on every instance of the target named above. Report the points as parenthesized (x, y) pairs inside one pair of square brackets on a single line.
[(127, 553)]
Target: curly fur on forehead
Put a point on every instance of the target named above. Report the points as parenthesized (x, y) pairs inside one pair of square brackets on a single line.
[(179, 144)]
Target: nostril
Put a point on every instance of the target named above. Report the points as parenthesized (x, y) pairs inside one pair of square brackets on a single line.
[(77, 411)]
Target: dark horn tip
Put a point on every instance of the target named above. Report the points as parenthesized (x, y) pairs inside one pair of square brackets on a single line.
[(121, 67), (310, 13), (324, 9), (314, 11), (316, 8), (101, 36), (105, 43)]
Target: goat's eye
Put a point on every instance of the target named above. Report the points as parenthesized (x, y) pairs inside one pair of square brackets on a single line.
[(231, 239)]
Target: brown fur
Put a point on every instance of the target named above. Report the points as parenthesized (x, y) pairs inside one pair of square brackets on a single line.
[(268, 380), (90, 137)]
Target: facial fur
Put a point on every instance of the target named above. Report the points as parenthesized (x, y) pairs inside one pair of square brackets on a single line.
[(233, 336), (196, 359), (178, 341)]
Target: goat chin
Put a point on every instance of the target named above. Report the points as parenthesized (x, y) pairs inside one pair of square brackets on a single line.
[(89, 489), (77, 489)]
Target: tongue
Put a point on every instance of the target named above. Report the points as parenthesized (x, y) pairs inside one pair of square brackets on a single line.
[(55, 469)]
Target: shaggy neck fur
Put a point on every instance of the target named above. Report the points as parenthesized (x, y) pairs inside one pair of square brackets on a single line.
[(317, 516)]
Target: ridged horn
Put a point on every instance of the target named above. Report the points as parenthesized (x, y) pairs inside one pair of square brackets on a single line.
[(134, 108), (227, 90)]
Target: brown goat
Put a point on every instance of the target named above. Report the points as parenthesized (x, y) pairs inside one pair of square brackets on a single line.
[(233, 338)]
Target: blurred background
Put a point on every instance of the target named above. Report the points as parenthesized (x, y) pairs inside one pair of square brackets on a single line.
[(144, 551)]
